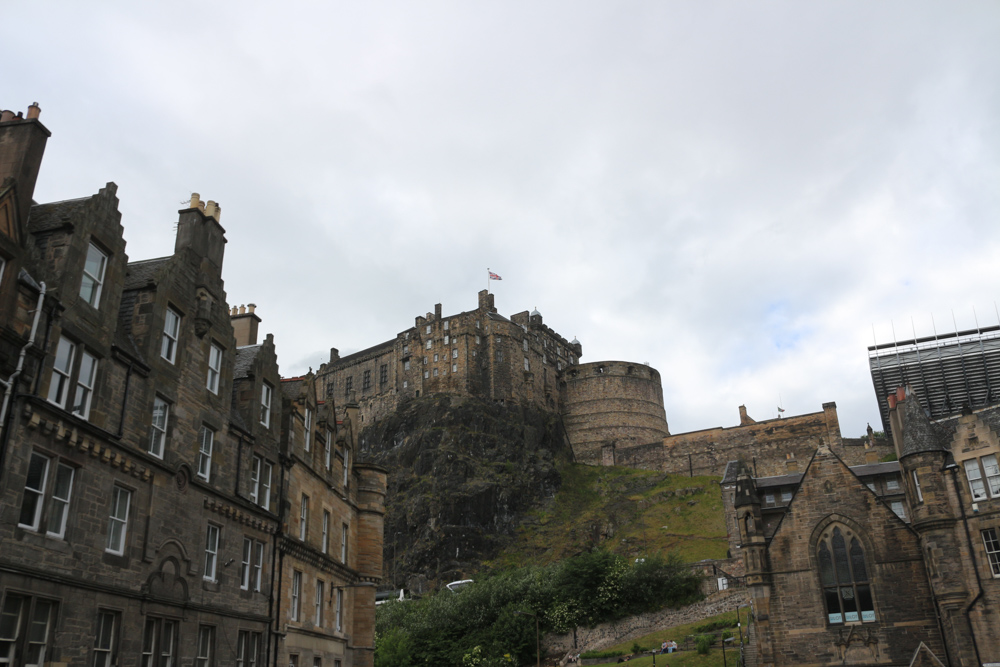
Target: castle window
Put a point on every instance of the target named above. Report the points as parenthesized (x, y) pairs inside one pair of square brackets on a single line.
[(405, 384), (428, 328), (499, 355), (446, 325), (435, 372), (366, 381), (844, 576), (348, 386), (527, 367), (477, 339), (454, 353), (435, 357), (406, 349), (447, 340), (427, 374), (425, 361), (454, 368), (93, 276), (406, 365), (525, 344), (477, 324), (992, 550), (975, 476), (430, 343), (383, 374)]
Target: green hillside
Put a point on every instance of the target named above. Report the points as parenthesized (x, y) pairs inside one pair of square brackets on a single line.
[(628, 511)]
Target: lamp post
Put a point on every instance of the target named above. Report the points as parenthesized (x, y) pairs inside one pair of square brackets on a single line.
[(727, 639), (538, 643)]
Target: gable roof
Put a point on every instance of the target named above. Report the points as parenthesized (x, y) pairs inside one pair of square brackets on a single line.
[(53, 215), (244, 360), (142, 273)]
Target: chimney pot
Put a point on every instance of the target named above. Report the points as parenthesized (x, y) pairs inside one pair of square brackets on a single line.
[(6, 115), (892, 401), (901, 394), (243, 310), (251, 307), (34, 111)]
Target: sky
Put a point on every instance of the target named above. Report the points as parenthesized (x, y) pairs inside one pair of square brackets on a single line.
[(744, 195)]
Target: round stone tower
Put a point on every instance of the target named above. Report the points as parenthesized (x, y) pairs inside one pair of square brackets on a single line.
[(606, 402)]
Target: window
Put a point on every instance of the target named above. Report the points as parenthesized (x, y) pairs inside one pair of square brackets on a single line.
[(477, 339), (328, 449), (62, 367), (447, 339), (445, 325), (258, 566), (25, 627), (406, 383), (158, 427), (435, 372), (430, 343), (454, 368), (892, 483), (992, 550), (296, 594), (106, 639), (214, 368), (428, 329), (343, 543), (247, 648), (406, 365), (898, 509), (35, 485), (293, 660), (366, 381), (339, 616), (786, 497), (318, 603), (325, 543), (171, 330), (916, 488), (206, 438), (265, 405), (454, 353), (347, 465), (425, 361), (427, 374), (260, 482), (206, 646), (499, 355), (525, 344), (93, 276), (723, 583), (118, 520), (159, 643), (303, 517), (245, 563), (211, 551), (308, 421), (844, 577), (85, 385), (477, 324), (526, 366), (348, 386), (769, 499), (406, 349)]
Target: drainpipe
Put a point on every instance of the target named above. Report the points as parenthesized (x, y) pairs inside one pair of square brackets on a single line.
[(11, 382), (953, 469)]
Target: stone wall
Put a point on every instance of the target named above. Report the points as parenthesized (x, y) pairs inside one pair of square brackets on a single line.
[(609, 634)]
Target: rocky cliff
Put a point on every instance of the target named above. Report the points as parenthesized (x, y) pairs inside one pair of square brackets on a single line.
[(462, 472)]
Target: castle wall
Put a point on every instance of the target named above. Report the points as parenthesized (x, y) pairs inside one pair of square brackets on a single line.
[(613, 401)]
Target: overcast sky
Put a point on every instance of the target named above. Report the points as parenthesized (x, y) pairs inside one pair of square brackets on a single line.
[(733, 192)]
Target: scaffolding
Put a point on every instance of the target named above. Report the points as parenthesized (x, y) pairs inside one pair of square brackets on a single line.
[(948, 371)]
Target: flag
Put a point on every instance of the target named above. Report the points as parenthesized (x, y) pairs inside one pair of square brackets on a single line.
[(494, 276), (780, 409)]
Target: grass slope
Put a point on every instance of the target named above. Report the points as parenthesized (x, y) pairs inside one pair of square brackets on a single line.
[(628, 511)]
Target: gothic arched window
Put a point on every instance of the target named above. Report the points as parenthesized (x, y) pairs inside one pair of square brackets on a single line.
[(846, 588)]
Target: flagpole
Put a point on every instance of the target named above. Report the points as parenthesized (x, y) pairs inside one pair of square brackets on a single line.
[(487, 280)]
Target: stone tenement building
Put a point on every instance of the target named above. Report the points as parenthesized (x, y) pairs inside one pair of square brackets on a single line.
[(481, 353), (164, 497), (879, 564)]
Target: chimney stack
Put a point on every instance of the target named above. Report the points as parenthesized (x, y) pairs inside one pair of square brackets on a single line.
[(22, 144), (245, 325)]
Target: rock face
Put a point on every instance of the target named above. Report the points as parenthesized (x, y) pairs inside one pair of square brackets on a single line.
[(462, 472)]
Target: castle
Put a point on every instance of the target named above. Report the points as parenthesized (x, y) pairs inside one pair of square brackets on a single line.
[(165, 496)]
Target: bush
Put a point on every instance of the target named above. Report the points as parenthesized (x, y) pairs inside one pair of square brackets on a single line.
[(636, 648), (704, 643), (392, 648), (601, 654)]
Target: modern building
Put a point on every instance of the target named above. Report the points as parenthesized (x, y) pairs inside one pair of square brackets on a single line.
[(144, 452)]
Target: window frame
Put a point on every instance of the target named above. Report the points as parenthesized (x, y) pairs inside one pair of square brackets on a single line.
[(304, 518), (266, 394), (59, 393), (83, 411), (991, 544), (318, 604), (171, 335), (108, 648), (205, 455), (20, 644), (214, 372), (256, 573), (296, 605), (53, 499), (325, 543), (842, 561), (344, 535), (94, 300), (157, 432), (246, 563), (114, 519), (212, 538), (307, 425), (205, 656)]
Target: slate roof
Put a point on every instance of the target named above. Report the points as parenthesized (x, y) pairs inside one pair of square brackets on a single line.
[(53, 215), (876, 468), (374, 348), (919, 434), (244, 360), (292, 387), (497, 316), (140, 274), (778, 480), (729, 477)]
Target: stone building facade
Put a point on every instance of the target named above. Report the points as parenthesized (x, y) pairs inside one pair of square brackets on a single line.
[(143, 464), (892, 563)]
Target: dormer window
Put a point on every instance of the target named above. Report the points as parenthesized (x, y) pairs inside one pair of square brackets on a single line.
[(93, 276)]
